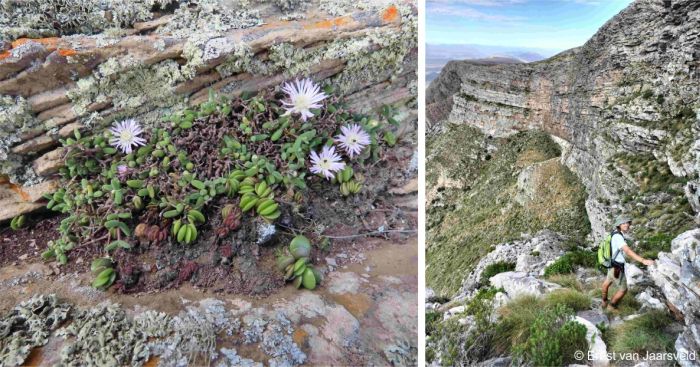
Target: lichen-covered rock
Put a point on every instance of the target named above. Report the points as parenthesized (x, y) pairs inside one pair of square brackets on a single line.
[(111, 60), (519, 284), (677, 277), (29, 325), (530, 256), (103, 335)]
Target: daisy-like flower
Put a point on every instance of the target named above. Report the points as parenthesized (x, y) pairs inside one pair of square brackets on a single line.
[(353, 139), (303, 95), (327, 162), (125, 134)]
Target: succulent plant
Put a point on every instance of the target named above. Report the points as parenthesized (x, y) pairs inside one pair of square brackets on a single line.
[(300, 247), (105, 275), (247, 149), (344, 175), (297, 267), (17, 222), (351, 187), (260, 197)]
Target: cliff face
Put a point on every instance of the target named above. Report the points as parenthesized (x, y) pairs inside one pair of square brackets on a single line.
[(86, 65), (632, 89), (623, 109)]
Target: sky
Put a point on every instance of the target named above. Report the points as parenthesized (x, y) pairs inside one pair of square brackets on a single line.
[(546, 24)]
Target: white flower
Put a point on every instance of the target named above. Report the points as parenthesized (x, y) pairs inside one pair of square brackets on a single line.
[(126, 134), (353, 139), (326, 163), (303, 96)]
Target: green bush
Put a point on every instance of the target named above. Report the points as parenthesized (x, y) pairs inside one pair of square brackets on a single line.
[(431, 320), (458, 346), (647, 94), (566, 264), (570, 298), (496, 268), (553, 338), (644, 333), (477, 303)]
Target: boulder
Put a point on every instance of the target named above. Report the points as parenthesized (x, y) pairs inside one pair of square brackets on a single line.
[(687, 346), (595, 316), (453, 311), (517, 283), (635, 276), (677, 278), (597, 350), (530, 255), (648, 301)]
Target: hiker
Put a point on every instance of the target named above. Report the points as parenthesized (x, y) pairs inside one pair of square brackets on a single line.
[(616, 272)]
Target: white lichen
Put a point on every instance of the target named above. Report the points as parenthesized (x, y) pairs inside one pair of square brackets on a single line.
[(44, 18), (131, 88)]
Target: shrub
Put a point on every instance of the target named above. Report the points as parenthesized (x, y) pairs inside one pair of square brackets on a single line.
[(458, 346), (566, 263), (496, 268), (644, 333), (431, 320), (575, 300), (477, 303), (516, 318), (542, 334), (647, 94)]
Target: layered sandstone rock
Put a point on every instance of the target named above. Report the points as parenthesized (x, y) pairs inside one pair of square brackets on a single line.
[(633, 88), (147, 58)]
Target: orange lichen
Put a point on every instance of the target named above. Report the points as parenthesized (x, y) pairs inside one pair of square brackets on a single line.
[(4, 54), (65, 52), (390, 14), (49, 42), (18, 190), (299, 336), (330, 23)]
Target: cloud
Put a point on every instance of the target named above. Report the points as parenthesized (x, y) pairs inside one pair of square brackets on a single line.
[(436, 8), (478, 2)]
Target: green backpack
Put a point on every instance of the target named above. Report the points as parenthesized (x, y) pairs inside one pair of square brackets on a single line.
[(604, 251)]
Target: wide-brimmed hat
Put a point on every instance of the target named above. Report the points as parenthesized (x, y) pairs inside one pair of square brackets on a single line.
[(621, 219)]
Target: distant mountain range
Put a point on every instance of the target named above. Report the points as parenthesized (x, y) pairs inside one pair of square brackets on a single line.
[(438, 55)]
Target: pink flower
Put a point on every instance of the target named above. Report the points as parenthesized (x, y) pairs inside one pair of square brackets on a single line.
[(353, 139), (327, 162), (303, 96), (125, 134)]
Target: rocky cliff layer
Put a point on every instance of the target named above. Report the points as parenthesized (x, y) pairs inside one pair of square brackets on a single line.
[(631, 90), (84, 66), (624, 110)]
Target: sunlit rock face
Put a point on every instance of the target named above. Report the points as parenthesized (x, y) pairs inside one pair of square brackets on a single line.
[(631, 90)]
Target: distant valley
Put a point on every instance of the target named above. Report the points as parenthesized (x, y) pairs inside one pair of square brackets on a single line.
[(437, 55)]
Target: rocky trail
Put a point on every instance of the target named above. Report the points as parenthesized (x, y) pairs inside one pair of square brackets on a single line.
[(667, 285), (364, 314)]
